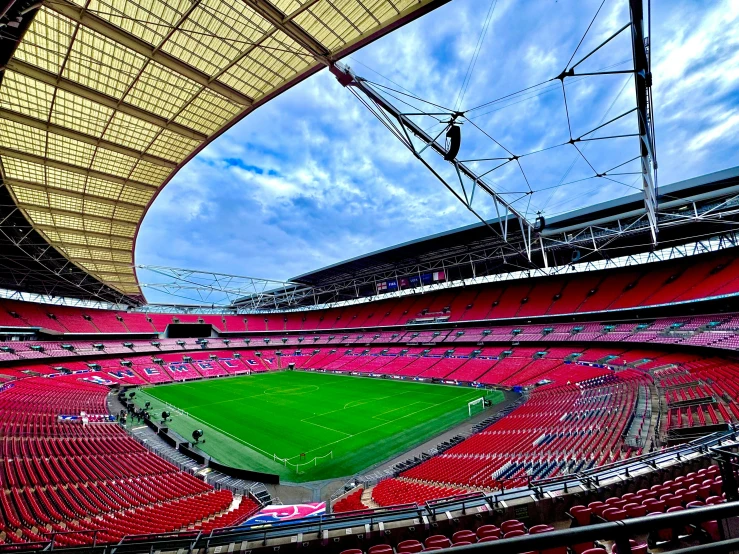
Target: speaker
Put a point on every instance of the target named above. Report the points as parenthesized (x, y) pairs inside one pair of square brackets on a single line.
[(454, 138)]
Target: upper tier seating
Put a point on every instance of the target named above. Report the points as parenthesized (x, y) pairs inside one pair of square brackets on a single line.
[(708, 275), (719, 332)]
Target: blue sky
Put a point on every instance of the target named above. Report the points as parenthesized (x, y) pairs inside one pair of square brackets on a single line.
[(312, 178)]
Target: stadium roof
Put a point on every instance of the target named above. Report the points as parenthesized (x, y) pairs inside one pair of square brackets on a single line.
[(102, 101), (712, 213)]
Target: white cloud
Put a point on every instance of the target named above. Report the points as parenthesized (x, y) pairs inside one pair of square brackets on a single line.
[(312, 177), (724, 128)]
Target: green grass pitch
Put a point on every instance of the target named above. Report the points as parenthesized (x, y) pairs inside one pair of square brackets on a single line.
[(346, 423)]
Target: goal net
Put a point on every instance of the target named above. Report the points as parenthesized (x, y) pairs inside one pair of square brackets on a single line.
[(476, 406)]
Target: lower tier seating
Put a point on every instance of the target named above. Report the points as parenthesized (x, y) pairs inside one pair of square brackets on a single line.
[(684, 492), (90, 478), (350, 503)]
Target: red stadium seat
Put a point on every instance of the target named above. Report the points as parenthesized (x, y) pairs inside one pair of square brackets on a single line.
[(486, 531), (464, 535), (409, 547), (580, 515), (435, 540)]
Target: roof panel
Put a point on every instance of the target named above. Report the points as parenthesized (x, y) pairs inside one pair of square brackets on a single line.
[(208, 111), (210, 38), (22, 170), (172, 146), (98, 209), (128, 214), (146, 172), (69, 151), (135, 196), (122, 228), (162, 91), (101, 64), (97, 226), (25, 95), (100, 187), (65, 180), (46, 42), (30, 196), (113, 163), (121, 244), (132, 88), (131, 132), (75, 112), (39, 216), (149, 21), (64, 202), (269, 66), (21, 137)]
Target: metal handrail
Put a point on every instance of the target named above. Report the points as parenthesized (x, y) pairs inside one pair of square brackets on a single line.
[(430, 508), (619, 531)]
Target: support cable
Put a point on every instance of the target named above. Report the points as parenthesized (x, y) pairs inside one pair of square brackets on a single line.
[(585, 34), (475, 55)]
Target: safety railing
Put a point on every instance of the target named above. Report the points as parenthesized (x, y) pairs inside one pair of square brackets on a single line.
[(619, 532), (715, 444)]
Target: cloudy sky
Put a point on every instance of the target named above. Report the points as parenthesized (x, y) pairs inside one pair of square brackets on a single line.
[(313, 178)]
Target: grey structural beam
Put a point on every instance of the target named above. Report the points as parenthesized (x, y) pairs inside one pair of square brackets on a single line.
[(285, 24), (643, 85), (403, 127)]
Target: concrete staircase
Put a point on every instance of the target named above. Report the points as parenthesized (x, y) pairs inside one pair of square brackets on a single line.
[(367, 499)]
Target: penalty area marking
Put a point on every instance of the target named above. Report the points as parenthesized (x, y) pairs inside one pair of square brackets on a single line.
[(355, 404), (381, 425)]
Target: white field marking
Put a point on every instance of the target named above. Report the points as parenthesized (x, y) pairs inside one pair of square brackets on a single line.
[(355, 404), (367, 402), (273, 391), (265, 392), (221, 401), (267, 454), (380, 425), (329, 428), (238, 439), (196, 385), (242, 441), (379, 416), (233, 399)]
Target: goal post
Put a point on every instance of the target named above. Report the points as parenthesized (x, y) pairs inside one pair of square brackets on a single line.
[(477, 401)]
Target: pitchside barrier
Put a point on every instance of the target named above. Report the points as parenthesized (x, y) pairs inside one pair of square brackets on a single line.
[(245, 474), (235, 472), (184, 449), (314, 462), (166, 437)]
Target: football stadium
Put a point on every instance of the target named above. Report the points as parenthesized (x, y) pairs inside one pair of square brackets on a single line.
[(523, 381)]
